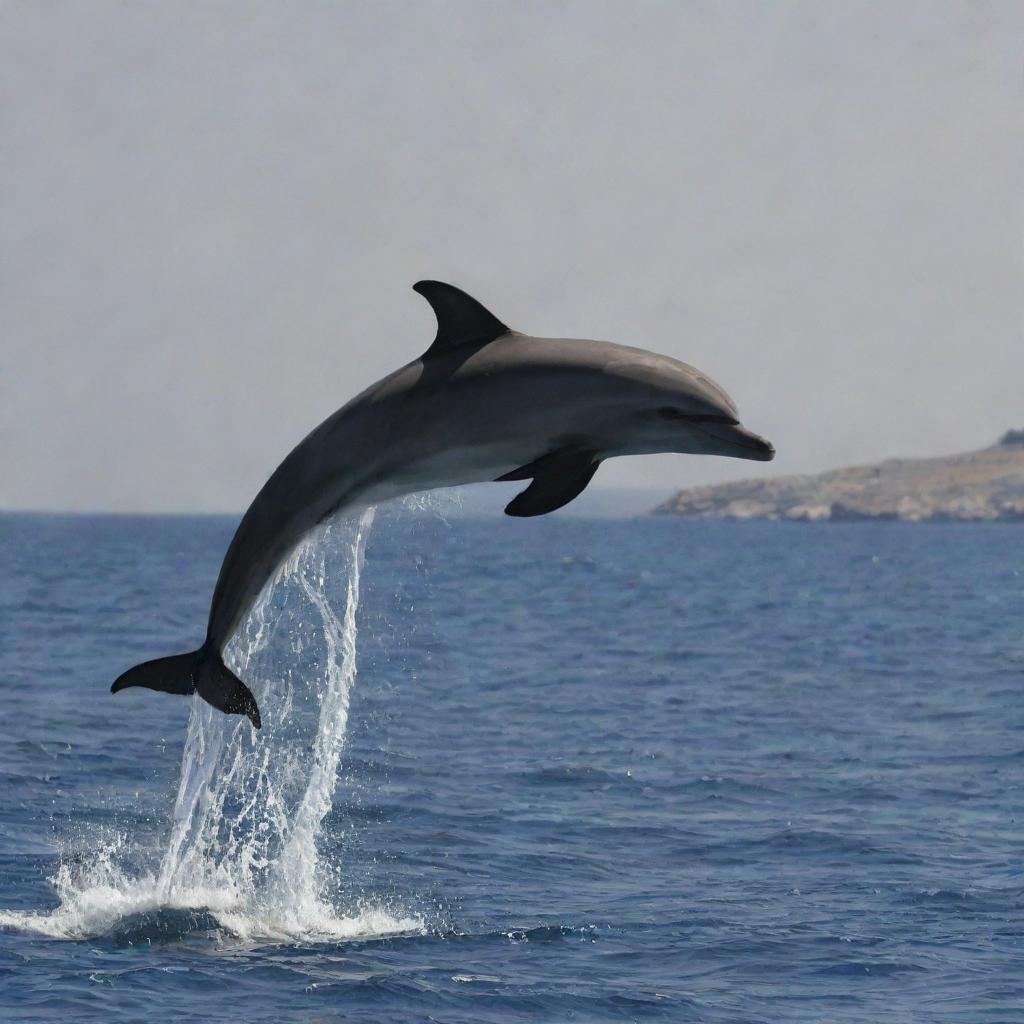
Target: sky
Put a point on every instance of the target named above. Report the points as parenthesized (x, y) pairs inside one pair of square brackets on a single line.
[(211, 216)]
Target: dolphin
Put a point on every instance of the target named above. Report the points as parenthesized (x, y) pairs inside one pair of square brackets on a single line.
[(483, 403)]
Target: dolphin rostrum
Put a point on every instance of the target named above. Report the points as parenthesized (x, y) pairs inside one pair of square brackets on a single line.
[(484, 402)]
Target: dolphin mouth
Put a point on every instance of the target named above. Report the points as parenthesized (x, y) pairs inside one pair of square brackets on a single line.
[(746, 444)]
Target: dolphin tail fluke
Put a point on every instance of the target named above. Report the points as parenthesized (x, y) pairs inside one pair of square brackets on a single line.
[(219, 686), (169, 675), (202, 672)]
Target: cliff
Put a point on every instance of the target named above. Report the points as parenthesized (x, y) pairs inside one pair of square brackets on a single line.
[(982, 485)]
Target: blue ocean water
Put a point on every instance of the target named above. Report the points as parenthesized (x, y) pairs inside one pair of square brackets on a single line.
[(547, 770)]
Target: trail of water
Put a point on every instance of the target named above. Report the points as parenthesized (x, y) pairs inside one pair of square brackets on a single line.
[(248, 816)]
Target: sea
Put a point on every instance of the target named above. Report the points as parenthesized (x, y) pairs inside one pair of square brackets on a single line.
[(560, 769)]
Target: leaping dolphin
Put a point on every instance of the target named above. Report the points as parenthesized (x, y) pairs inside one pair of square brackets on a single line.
[(483, 403)]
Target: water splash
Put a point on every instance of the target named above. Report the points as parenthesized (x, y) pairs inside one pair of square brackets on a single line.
[(249, 812)]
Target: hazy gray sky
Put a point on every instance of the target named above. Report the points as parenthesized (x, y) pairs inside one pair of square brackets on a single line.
[(212, 214)]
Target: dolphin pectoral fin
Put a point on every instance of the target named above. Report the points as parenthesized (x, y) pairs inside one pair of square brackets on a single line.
[(557, 479), (461, 320)]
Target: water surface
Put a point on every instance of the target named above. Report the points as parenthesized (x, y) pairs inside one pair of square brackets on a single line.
[(549, 770)]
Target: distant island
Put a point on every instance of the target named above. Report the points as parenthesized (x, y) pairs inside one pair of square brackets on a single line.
[(986, 485)]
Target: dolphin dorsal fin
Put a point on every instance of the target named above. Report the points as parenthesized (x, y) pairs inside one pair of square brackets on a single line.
[(461, 320)]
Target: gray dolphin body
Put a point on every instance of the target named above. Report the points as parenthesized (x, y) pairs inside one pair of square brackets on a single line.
[(483, 403)]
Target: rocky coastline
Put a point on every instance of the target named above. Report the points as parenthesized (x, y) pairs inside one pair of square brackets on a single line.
[(986, 485)]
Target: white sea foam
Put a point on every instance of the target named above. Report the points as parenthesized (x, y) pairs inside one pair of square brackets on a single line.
[(247, 821)]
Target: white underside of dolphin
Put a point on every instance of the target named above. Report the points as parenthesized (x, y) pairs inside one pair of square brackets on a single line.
[(483, 403)]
